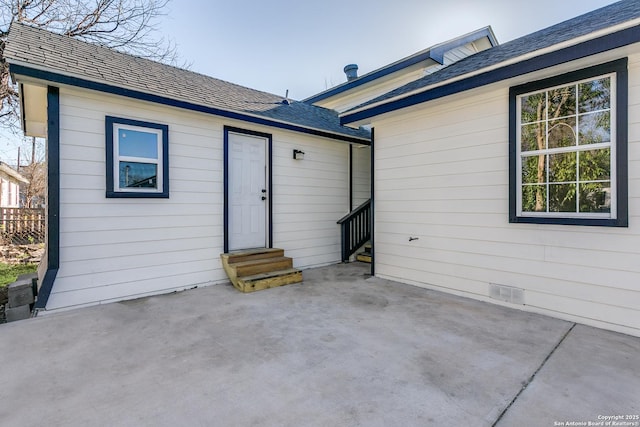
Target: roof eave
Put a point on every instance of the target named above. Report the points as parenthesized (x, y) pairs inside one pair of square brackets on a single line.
[(531, 62), (435, 53), (39, 73), (13, 173)]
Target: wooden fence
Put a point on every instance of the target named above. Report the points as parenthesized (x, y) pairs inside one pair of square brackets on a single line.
[(22, 226)]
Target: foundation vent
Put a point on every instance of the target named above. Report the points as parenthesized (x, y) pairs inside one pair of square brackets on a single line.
[(506, 293)]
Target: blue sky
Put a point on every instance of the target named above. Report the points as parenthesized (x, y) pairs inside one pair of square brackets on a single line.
[(303, 45)]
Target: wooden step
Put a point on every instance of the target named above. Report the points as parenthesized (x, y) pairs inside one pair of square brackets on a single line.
[(364, 257), (258, 282), (252, 254), (257, 269), (257, 266)]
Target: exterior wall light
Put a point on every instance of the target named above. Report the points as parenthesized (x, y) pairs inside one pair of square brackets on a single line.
[(298, 155)]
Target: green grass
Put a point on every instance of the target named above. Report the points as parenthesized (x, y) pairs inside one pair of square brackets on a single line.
[(9, 273)]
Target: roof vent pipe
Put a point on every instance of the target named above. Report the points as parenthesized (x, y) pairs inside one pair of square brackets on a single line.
[(351, 71)]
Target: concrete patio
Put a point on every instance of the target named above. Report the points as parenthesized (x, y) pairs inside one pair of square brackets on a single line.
[(337, 350)]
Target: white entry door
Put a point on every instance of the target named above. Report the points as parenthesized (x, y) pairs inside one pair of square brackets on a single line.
[(247, 191)]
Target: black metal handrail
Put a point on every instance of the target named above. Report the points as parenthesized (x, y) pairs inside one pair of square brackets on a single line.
[(355, 229)]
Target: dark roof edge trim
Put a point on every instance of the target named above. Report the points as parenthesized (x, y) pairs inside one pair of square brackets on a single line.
[(435, 53), (588, 48), (129, 93), (23, 122)]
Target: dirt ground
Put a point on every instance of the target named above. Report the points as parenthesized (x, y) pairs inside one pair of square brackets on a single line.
[(21, 254)]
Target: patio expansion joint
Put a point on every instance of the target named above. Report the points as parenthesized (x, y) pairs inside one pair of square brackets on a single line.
[(532, 377)]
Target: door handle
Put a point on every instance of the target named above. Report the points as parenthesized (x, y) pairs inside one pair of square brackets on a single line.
[(264, 197)]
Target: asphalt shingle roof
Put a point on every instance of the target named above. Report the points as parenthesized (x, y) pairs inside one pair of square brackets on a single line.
[(68, 56), (599, 19)]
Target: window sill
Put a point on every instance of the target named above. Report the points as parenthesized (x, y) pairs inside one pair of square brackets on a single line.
[(132, 195), (593, 222)]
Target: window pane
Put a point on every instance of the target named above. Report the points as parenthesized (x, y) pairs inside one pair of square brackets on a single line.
[(562, 167), (532, 137), (595, 165), (562, 133), (534, 198), (595, 197), (562, 102), (532, 108), (562, 197), (138, 175), (594, 95), (595, 128), (534, 169), (564, 149), (133, 143)]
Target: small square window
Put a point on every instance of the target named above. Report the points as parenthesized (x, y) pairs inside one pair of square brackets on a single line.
[(137, 158)]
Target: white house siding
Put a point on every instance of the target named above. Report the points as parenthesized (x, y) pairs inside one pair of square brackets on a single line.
[(114, 249), (361, 174), (309, 196), (455, 55), (442, 175)]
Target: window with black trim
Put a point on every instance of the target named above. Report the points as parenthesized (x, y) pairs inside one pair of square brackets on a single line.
[(568, 148), (137, 158)]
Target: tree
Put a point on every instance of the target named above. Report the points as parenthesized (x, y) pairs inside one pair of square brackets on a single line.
[(574, 121), (34, 191), (127, 25)]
